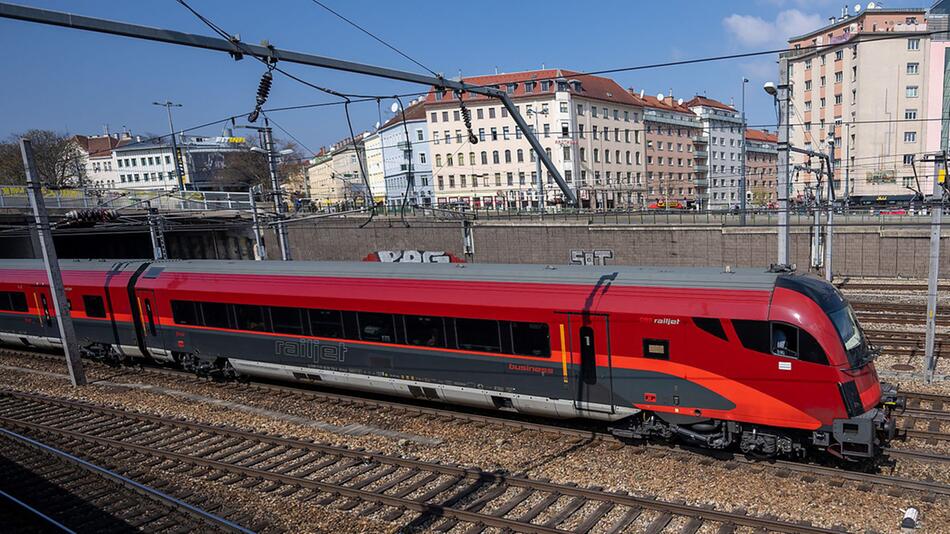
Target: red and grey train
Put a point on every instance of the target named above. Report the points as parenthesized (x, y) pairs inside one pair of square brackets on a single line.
[(770, 363)]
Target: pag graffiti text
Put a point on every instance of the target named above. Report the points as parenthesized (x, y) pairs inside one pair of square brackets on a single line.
[(413, 256)]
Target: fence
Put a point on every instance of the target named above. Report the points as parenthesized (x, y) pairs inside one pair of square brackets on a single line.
[(15, 196)]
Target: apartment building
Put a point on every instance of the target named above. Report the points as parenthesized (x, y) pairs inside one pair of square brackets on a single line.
[(721, 141), (373, 145), (148, 164), (868, 83), (761, 149), (336, 175), (675, 174), (96, 164), (589, 126), (405, 146)]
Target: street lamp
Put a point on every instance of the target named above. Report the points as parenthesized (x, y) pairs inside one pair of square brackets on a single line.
[(537, 159), (742, 177), (168, 105)]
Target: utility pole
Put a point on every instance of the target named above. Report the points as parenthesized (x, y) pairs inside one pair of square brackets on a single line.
[(278, 197), (259, 251), (67, 333), (937, 201), (829, 227), (742, 177), (157, 232), (168, 105), (780, 92)]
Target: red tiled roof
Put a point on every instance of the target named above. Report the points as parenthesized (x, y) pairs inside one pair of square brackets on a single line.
[(99, 146), (708, 102), (415, 111), (761, 135), (595, 87), (668, 103)]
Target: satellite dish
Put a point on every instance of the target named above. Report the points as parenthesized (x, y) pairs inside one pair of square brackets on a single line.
[(395, 107), (871, 5), (853, 27), (857, 8), (680, 101), (659, 96)]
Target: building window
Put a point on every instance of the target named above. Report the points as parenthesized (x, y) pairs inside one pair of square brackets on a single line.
[(434, 117), (913, 68), (507, 156), (520, 155), (908, 159), (910, 137), (913, 44), (910, 114), (912, 91), (580, 109), (567, 153), (494, 157)]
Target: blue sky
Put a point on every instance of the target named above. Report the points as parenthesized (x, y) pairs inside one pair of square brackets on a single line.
[(77, 82)]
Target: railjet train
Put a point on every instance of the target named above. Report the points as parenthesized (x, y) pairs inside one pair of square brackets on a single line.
[(774, 364)]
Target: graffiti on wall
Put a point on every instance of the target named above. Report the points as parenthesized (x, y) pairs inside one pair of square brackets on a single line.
[(592, 257), (413, 256)]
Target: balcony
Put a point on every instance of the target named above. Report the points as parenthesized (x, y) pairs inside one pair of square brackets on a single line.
[(699, 139), (674, 119), (702, 154), (701, 167), (701, 183)]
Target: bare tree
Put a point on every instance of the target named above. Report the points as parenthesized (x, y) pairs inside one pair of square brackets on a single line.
[(58, 159), (248, 168)]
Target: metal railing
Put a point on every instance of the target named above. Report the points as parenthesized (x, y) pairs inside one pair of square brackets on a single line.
[(15, 196)]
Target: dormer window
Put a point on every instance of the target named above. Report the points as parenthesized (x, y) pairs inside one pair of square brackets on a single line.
[(529, 86), (511, 87), (577, 85), (545, 85), (561, 85)]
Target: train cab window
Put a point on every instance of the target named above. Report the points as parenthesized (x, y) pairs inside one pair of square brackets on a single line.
[(215, 315), (478, 334), (326, 323), (13, 301), (711, 326), (377, 327), (425, 331), (754, 335), (287, 320), (784, 340), (250, 317), (94, 305), (530, 339), (809, 350), (184, 312)]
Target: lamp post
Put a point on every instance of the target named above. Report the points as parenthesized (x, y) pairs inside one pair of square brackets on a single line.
[(537, 159), (742, 177), (168, 105)]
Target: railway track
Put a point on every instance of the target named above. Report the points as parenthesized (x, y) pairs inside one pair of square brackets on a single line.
[(46, 489), (416, 494), (806, 471), (887, 286)]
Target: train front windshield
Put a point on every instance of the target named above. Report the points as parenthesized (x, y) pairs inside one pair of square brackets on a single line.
[(851, 335)]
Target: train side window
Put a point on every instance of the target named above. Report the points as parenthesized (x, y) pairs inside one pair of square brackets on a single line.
[(588, 355), (215, 315), (658, 349), (151, 318), (425, 331), (94, 305), (49, 318), (754, 335), (784, 340), (184, 312), (478, 334), (530, 339), (250, 317), (809, 350), (711, 326), (326, 323), (287, 320), (13, 301), (377, 327)]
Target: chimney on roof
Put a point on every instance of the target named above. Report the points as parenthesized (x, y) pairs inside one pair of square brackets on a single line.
[(496, 70), (641, 93), (105, 128), (126, 135), (138, 138)]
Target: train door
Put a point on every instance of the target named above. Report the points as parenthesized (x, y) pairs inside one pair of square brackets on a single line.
[(591, 373), (148, 324)]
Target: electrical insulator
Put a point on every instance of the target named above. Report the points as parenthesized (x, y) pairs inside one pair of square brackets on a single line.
[(263, 89)]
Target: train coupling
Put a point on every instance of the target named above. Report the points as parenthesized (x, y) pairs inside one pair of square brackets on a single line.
[(890, 399)]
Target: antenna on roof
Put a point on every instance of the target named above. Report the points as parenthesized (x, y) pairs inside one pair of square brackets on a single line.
[(641, 93), (496, 70)]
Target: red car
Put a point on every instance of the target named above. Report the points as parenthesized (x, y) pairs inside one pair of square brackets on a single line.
[(771, 363)]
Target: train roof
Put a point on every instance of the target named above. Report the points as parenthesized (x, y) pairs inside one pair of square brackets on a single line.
[(677, 277)]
